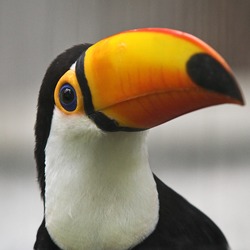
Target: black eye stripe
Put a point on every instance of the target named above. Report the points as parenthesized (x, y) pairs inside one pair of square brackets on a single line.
[(67, 97), (80, 74)]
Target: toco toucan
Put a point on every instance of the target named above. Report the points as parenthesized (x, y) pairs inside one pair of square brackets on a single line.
[(95, 106)]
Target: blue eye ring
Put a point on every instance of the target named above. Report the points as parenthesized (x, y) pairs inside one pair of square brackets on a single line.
[(67, 97)]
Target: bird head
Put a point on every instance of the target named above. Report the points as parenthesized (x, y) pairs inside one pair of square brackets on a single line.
[(138, 79), (131, 81)]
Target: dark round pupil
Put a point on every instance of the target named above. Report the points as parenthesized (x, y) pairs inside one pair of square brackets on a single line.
[(67, 95)]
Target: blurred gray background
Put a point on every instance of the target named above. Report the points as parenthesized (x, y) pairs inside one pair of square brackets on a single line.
[(205, 155)]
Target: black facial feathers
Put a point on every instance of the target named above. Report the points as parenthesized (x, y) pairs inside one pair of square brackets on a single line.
[(45, 104)]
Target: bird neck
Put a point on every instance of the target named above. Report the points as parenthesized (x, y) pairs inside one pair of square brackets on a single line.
[(99, 188)]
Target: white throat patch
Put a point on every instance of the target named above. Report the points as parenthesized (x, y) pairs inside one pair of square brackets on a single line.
[(100, 192)]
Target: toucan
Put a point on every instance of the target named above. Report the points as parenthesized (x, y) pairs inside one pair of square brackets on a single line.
[(95, 105)]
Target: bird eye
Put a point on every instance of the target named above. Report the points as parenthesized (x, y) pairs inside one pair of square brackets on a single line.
[(67, 96)]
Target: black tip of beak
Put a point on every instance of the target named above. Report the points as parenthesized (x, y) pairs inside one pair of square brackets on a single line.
[(210, 74)]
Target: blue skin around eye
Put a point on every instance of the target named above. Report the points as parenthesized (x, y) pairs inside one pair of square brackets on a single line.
[(69, 105)]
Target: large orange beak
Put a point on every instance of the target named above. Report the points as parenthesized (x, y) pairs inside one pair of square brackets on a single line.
[(141, 78)]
